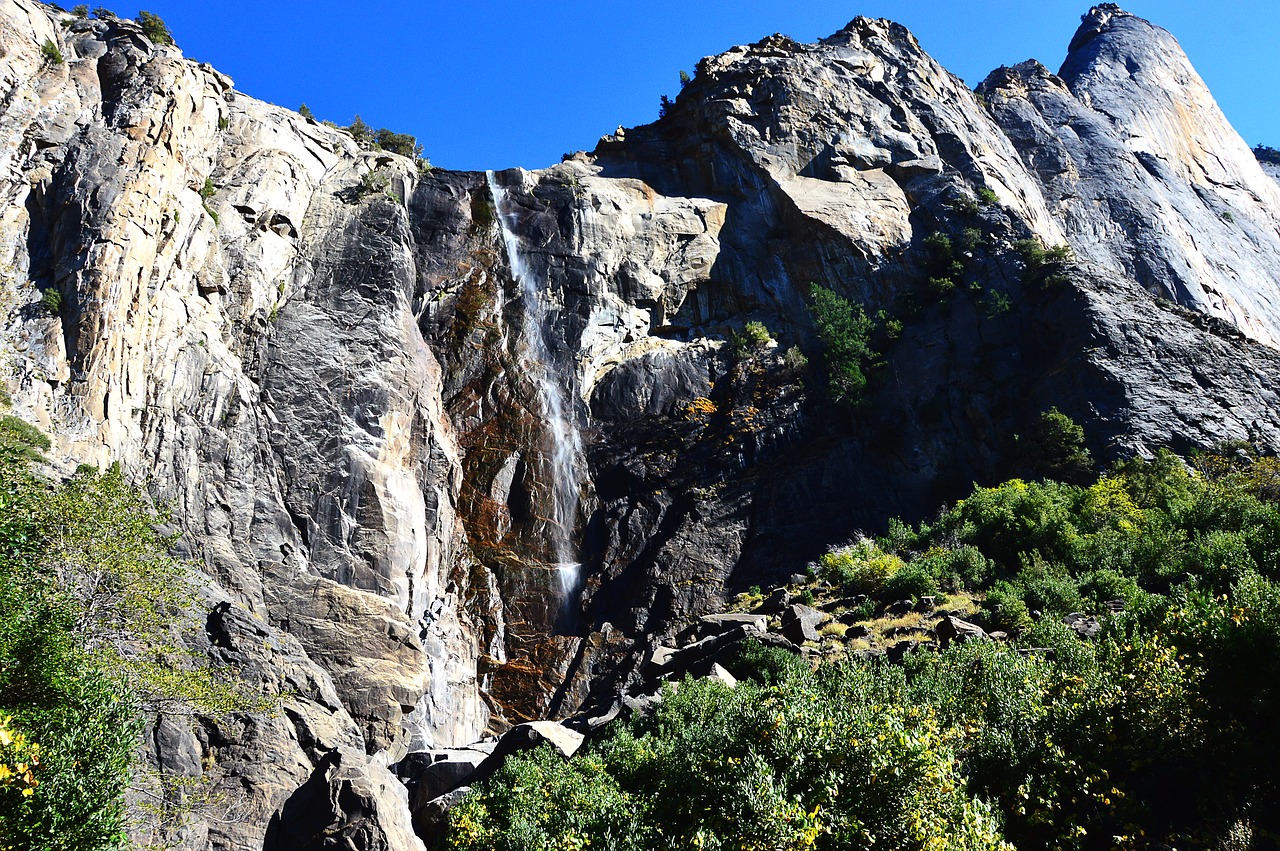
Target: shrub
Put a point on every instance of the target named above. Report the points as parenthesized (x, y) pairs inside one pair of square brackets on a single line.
[(374, 182), (913, 580), (845, 332), (1042, 266), (1049, 589), (860, 568), (1005, 609), (21, 442), (49, 50), (102, 13), (305, 112), (397, 143), (811, 762), (754, 335), (794, 359), (90, 610), (954, 568), (988, 197), (1056, 449), (80, 11), (51, 300), (154, 28), (1266, 154)]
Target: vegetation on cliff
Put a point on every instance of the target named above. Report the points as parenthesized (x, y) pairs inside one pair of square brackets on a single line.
[(92, 614)]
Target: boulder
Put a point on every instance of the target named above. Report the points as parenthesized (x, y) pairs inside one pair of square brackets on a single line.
[(1085, 626), (430, 774), (800, 623), (900, 608), (778, 599), (720, 674), (951, 628), (722, 623), (348, 802)]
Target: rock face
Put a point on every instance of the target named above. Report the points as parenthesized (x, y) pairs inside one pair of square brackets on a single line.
[(318, 358), (1143, 172)]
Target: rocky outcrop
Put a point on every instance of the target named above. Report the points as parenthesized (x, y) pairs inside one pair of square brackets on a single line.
[(1143, 171), (317, 356)]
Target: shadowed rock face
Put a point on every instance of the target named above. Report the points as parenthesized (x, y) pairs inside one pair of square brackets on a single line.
[(329, 385)]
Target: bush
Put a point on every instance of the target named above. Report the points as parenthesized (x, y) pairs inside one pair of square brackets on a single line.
[(51, 300), (1042, 266), (1056, 449), (859, 568), (49, 50), (754, 336), (1266, 154), (794, 359), (21, 442), (811, 762), (154, 28), (374, 182), (91, 608), (845, 332), (913, 580)]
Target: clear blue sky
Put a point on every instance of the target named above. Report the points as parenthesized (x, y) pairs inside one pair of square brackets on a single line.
[(498, 83)]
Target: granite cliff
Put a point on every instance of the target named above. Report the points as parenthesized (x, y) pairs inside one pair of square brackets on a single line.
[(323, 359)]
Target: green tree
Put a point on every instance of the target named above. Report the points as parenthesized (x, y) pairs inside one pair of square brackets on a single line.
[(154, 28), (1056, 448), (93, 613), (845, 331)]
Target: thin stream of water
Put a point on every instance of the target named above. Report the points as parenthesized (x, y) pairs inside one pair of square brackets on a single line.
[(564, 441)]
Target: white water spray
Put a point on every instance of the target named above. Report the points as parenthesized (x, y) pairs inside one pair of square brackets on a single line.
[(564, 441)]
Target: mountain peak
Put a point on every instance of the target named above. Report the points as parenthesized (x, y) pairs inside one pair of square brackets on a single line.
[(1096, 21)]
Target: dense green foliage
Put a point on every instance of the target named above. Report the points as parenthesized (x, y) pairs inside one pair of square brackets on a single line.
[(845, 331), (1042, 266), (1266, 154), (754, 336), (92, 610), (825, 760), (1159, 730), (1055, 449)]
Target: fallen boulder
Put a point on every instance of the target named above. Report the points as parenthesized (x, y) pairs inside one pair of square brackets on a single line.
[(800, 623)]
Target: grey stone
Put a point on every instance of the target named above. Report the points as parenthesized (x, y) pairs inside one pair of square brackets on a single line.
[(1085, 626), (800, 623), (330, 389), (952, 629), (778, 599), (717, 624)]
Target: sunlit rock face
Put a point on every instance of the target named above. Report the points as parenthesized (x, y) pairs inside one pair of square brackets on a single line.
[(1144, 173), (324, 361)]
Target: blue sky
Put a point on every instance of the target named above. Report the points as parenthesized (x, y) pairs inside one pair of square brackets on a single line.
[(499, 83)]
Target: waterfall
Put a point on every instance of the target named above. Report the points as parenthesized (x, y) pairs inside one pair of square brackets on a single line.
[(564, 444)]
